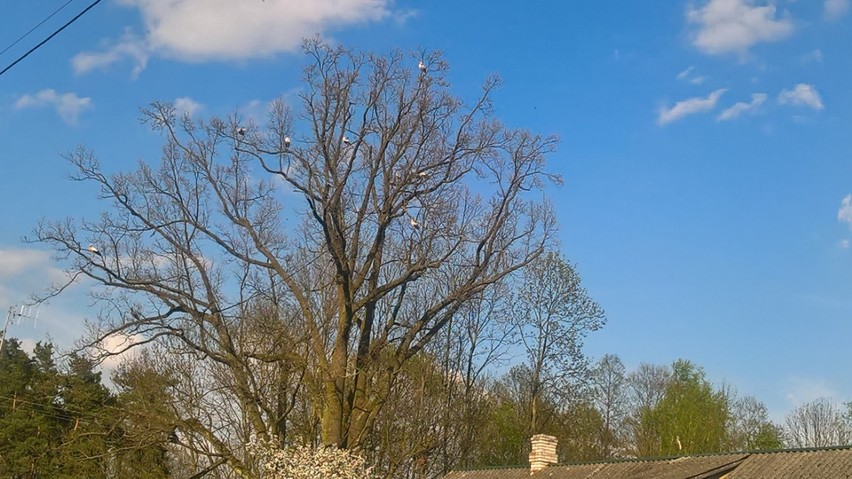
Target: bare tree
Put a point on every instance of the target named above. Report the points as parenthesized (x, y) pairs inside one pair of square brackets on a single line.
[(750, 428), (553, 314), (648, 384), (410, 203), (819, 423), (610, 394)]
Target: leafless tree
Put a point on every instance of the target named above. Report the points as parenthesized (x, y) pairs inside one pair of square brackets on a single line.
[(819, 423), (553, 314), (357, 226), (749, 426), (611, 396), (648, 385)]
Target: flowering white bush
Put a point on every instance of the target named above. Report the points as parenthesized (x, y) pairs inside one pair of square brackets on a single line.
[(305, 462)]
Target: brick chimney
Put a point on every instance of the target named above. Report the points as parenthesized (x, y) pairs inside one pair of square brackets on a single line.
[(543, 452)]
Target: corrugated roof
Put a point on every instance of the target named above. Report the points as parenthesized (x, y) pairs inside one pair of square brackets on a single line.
[(506, 473), (672, 468), (801, 464), (827, 463)]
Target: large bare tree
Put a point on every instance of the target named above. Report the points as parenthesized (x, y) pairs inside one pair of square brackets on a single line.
[(819, 423), (340, 237)]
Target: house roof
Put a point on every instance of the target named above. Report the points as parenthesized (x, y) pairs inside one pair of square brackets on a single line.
[(823, 463)]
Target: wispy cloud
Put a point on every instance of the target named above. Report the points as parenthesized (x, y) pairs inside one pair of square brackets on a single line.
[(804, 390), (802, 95), (690, 106), (187, 106), (69, 106), (24, 272), (228, 30), (402, 17), (689, 75), (844, 214), (742, 107), (14, 261), (815, 56), (734, 26), (129, 47), (834, 9)]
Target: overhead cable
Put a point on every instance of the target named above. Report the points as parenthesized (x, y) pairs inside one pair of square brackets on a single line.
[(63, 27)]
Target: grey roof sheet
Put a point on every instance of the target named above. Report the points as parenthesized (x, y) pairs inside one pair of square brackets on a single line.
[(673, 468), (828, 463), (505, 473), (804, 464)]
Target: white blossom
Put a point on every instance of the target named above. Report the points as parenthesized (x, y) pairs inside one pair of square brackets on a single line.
[(306, 462)]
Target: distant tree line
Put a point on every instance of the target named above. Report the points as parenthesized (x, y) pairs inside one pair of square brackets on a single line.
[(61, 421)]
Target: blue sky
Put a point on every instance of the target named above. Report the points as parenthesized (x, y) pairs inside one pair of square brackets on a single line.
[(705, 145)]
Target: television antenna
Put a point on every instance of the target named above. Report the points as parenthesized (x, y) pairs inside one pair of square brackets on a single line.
[(17, 312)]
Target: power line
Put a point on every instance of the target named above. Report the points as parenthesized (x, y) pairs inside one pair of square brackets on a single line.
[(33, 28), (63, 27)]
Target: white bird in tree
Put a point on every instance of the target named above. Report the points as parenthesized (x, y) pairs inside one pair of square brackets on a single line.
[(92, 249), (413, 222), (422, 67), (347, 141), (422, 175), (286, 142)]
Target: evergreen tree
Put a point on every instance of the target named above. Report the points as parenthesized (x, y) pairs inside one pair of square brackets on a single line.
[(63, 423)]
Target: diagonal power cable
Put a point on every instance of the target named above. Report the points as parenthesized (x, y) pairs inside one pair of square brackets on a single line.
[(25, 35), (63, 27)]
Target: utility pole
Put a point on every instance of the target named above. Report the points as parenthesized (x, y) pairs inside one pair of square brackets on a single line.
[(15, 312)]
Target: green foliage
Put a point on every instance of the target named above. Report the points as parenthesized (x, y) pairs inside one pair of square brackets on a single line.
[(691, 417), (750, 429), (769, 436), (506, 441), (580, 427), (30, 420), (60, 422)]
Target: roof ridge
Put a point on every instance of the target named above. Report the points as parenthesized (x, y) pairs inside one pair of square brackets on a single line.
[(617, 460), (705, 454)]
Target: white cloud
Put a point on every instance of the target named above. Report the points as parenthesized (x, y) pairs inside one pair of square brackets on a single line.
[(14, 261), (228, 30), (130, 46), (69, 106), (802, 95), (844, 214), (187, 106), (804, 390), (726, 26), (844, 244), (741, 107), (28, 345), (115, 348), (689, 106), (403, 16), (25, 272), (690, 76), (834, 9), (815, 56)]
